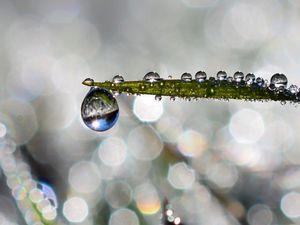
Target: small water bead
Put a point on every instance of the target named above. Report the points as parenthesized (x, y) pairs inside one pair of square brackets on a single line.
[(117, 79), (293, 89), (88, 81), (221, 75), (99, 109), (279, 81), (200, 76), (158, 98), (186, 77), (238, 76), (272, 87), (250, 78), (172, 98), (259, 81), (229, 79), (151, 77)]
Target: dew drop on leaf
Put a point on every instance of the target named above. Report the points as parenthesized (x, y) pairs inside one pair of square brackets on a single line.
[(99, 109), (293, 89), (117, 79), (238, 76), (229, 79), (200, 76), (259, 81), (279, 81), (186, 77), (221, 75), (250, 78), (88, 81), (151, 77), (158, 97)]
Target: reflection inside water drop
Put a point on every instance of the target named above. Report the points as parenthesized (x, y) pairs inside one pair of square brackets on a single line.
[(99, 109)]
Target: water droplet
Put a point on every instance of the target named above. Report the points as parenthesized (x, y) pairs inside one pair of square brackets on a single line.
[(272, 87), (238, 76), (117, 79), (170, 77), (229, 79), (293, 89), (99, 109), (151, 77), (259, 81), (200, 76), (221, 75), (250, 78), (158, 97), (186, 77), (279, 80), (172, 98), (88, 81)]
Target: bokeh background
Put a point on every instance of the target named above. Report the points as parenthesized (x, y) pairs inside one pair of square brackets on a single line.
[(217, 162)]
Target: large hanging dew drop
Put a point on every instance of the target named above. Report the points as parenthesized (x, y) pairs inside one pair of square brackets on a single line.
[(279, 81), (99, 109), (151, 77)]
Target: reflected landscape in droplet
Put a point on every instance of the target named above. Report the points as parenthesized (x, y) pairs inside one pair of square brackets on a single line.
[(99, 109)]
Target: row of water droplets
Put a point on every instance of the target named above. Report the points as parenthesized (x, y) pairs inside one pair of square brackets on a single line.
[(101, 119), (278, 81)]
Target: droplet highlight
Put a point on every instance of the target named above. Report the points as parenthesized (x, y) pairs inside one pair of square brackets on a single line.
[(99, 109), (151, 77)]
